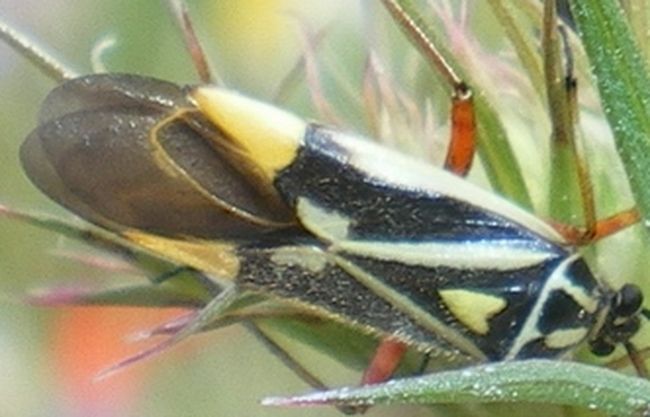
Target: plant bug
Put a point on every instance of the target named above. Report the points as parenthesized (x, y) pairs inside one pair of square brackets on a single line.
[(403, 259)]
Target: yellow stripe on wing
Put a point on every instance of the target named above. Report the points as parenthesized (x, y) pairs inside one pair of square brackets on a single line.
[(212, 257)]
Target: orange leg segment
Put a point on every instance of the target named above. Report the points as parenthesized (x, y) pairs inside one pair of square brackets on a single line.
[(602, 228), (387, 358), (462, 144)]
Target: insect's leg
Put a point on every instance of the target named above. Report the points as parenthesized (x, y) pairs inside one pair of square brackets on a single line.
[(462, 145), (601, 229), (462, 141), (563, 103), (385, 361)]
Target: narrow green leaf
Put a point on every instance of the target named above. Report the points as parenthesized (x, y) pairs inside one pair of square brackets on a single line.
[(624, 86), (531, 381), (526, 47)]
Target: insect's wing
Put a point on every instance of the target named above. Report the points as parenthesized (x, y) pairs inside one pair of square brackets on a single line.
[(467, 265), (396, 248), (101, 91), (381, 195), (313, 280), (463, 264), (93, 153)]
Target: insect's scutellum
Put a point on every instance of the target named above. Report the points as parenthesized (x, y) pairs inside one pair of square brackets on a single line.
[(330, 224)]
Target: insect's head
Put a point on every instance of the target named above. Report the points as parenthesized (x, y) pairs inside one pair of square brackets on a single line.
[(622, 322)]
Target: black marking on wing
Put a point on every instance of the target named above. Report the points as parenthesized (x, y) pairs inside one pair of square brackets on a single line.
[(333, 290), (382, 211), (519, 288)]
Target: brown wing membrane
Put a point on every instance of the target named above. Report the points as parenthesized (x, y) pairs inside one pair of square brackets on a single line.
[(92, 154), (98, 91)]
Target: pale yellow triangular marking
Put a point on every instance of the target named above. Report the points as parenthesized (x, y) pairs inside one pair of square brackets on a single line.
[(473, 309), (269, 136)]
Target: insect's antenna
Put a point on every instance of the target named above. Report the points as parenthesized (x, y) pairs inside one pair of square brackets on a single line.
[(199, 58), (50, 66)]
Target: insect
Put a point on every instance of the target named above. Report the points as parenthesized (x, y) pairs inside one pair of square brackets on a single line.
[(329, 224)]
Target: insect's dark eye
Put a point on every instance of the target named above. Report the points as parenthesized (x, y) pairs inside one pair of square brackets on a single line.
[(600, 347), (627, 329), (622, 322), (628, 301)]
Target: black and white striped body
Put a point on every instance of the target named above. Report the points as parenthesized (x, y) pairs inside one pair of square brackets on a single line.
[(397, 247), (335, 225)]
